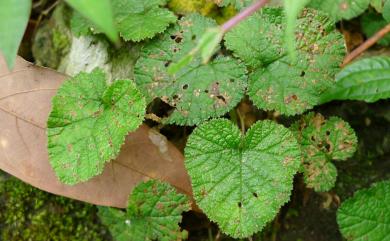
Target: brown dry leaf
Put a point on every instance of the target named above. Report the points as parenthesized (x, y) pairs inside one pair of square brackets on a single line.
[(25, 103)]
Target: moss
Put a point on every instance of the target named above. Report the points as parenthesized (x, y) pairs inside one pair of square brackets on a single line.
[(204, 7), (30, 214)]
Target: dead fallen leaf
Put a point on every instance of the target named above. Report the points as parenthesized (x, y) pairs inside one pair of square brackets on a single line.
[(25, 103)]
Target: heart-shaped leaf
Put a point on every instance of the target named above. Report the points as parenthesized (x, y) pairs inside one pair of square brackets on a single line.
[(89, 122), (153, 213), (25, 103), (239, 181)]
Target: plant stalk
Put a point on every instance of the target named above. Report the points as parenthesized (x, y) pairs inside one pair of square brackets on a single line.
[(243, 15)]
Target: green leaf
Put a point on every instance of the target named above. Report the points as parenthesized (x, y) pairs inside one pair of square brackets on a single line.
[(238, 4), (378, 5), (341, 9), (321, 142), (386, 11), (99, 13), (371, 23), (366, 216), (137, 20), (292, 10), (88, 124), (367, 79), (153, 213), (197, 91), (14, 15), (276, 82), (207, 45), (240, 182)]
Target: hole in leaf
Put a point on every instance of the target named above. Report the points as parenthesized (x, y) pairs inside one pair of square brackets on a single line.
[(185, 86), (327, 147), (178, 39), (166, 64), (239, 204), (221, 98), (303, 73), (255, 195), (173, 36)]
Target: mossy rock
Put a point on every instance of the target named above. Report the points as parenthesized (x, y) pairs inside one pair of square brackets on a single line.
[(30, 214)]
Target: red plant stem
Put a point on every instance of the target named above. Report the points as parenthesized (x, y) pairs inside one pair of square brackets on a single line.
[(367, 44), (243, 15)]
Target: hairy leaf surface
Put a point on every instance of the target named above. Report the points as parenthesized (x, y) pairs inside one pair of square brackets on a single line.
[(197, 91), (25, 103), (239, 181), (14, 15), (367, 79), (341, 9), (322, 141), (366, 216), (153, 213), (277, 83), (135, 20), (89, 122)]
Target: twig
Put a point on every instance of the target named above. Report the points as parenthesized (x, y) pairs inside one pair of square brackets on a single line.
[(367, 44), (153, 117), (243, 15)]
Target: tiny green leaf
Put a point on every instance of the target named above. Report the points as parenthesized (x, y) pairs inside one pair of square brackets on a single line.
[(321, 142), (153, 213), (276, 82), (196, 91), (14, 15), (292, 9), (341, 9), (99, 13), (367, 79), (366, 216), (88, 124), (240, 181), (207, 45)]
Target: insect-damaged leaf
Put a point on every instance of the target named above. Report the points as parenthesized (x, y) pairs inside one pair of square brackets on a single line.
[(25, 103), (321, 142), (239, 181), (153, 213), (277, 83), (89, 122), (197, 91), (366, 216)]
